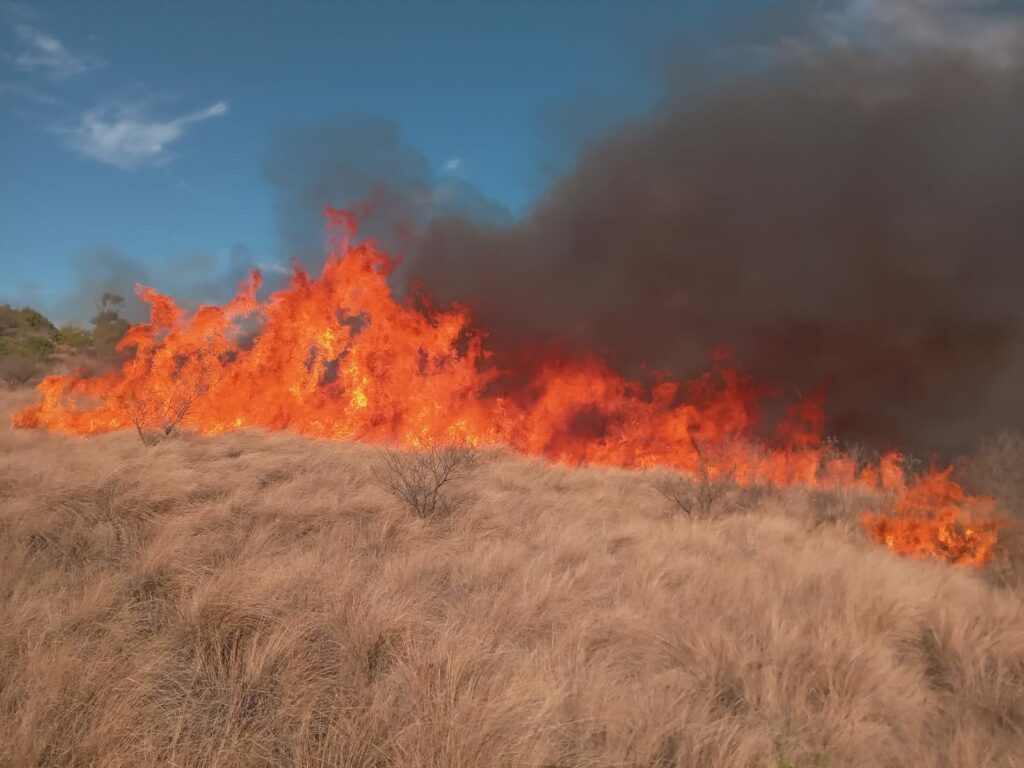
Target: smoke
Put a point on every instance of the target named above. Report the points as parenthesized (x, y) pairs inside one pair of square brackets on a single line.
[(362, 163), (192, 278), (843, 215), (99, 270), (832, 192)]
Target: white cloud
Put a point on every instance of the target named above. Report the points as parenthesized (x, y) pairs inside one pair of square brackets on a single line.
[(45, 52), (270, 266), (127, 140), (984, 28), (451, 165)]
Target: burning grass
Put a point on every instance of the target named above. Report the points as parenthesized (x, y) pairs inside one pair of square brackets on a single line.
[(259, 600), (338, 356)]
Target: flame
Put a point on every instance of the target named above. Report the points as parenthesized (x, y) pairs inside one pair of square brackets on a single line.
[(339, 357), (934, 518)]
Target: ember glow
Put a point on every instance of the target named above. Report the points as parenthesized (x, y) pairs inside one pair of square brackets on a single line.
[(339, 357)]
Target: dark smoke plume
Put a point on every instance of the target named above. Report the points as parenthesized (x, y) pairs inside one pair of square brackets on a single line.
[(849, 218)]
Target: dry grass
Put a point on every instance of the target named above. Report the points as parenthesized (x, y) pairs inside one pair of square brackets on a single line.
[(259, 600), (996, 468)]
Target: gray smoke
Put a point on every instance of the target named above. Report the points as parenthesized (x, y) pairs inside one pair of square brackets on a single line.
[(361, 163), (832, 193), (845, 217)]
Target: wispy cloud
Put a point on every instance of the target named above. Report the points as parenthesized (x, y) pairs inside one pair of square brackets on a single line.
[(43, 52), (274, 267), (451, 165), (985, 28), (26, 92), (125, 139)]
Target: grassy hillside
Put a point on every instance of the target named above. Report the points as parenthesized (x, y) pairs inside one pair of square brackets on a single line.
[(255, 600)]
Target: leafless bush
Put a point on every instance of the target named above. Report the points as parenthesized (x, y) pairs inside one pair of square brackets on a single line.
[(833, 506), (18, 370), (996, 468), (860, 454), (421, 480), (699, 496), (158, 404), (157, 415)]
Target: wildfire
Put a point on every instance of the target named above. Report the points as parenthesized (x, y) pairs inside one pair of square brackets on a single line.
[(935, 518), (340, 357)]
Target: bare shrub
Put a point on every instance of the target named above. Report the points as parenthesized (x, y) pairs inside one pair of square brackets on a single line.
[(157, 417), (18, 370), (757, 495), (996, 468), (421, 479), (700, 495), (858, 453), (833, 506), (156, 409)]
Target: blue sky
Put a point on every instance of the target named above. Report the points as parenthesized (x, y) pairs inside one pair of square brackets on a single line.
[(136, 136)]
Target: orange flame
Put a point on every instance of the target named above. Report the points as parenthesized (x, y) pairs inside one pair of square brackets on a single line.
[(339, 357), (934, 518)]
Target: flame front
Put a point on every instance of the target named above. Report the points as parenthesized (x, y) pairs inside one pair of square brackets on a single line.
[(339, 357)]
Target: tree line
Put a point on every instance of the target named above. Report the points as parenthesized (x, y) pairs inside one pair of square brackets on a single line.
[(30, 344)]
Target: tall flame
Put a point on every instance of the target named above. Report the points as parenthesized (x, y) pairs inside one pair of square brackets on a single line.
[(339, 357)]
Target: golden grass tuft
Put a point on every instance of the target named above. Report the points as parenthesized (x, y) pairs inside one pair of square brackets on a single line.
[(258, 600)]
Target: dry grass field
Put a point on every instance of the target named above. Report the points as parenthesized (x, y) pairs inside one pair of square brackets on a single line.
[(259, 600)]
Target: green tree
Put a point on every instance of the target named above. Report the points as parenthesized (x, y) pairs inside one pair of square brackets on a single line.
[(74, 336), (108, 325), (33, 320), (24, 321), (9, 320), (26, 345), (38, 348)]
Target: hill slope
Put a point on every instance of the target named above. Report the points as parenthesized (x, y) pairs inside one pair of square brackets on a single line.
[(256, 600)]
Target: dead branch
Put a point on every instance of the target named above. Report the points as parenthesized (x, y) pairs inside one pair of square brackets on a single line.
[(420, 480)]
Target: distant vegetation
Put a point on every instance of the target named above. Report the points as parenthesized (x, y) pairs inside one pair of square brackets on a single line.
[(31, 345)]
